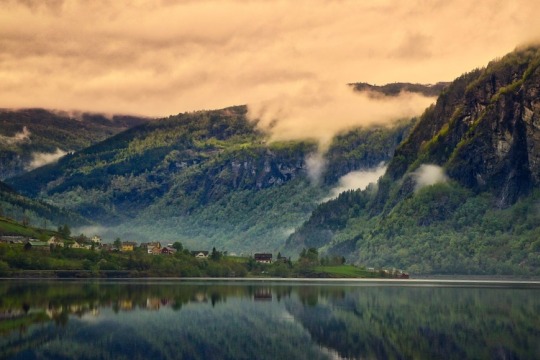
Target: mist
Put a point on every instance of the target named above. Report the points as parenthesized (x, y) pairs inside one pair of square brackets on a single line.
[(39, 159), (357, 180), (315, 166), (321, 112), (19, 137), (427, 175)]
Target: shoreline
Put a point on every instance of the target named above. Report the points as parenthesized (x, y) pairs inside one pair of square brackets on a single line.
[(328, 281)]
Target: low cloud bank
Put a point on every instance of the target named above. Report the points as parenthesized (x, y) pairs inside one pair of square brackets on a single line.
[(428, 175), (321, 112), (357, 180), (40, 159)]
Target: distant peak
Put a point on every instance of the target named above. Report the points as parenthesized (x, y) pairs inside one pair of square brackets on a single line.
[(394, 89)]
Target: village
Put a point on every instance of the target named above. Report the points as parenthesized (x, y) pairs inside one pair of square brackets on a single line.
[(96, 243), (65, 256)]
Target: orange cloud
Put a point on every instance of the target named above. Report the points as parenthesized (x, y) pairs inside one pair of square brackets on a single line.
[(155, 58)]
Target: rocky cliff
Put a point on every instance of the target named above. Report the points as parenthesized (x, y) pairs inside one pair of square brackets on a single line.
[(483, 129)]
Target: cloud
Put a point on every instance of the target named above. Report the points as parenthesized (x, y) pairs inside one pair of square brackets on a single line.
[(357, 180), (428, 175), (40, 159), (19, 137), (321, 112), (155, 57), (91, 230), (315, 165)]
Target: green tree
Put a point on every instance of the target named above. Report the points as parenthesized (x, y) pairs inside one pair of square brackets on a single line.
[(309, 256), (178, 246), (117, 243), (216, 255), (64, 230)]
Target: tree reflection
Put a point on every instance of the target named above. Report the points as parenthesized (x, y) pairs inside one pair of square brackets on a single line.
[(257, 320)]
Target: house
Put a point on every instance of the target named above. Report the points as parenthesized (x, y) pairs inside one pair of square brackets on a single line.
[(154, 251), (54, 241), (167, 250), (152, 247), (37, 245), (263, 258), (200, 254), (128, 246), (76, 245), (96, 240)]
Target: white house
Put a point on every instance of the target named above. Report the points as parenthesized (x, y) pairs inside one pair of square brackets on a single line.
[(96, 239)]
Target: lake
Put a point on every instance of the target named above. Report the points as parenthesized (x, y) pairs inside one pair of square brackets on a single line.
[(211, 319)]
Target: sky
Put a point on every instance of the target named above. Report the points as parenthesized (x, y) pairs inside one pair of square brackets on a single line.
[(285, 59)]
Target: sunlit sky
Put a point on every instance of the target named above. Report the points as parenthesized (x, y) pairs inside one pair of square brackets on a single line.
[(157, 58)]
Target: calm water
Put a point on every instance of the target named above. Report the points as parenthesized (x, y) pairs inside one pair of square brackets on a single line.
[(268, 320)]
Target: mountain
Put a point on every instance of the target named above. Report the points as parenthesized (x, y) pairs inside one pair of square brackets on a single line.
[(394, 89), (207, 178), (460, 194), (30, 138)]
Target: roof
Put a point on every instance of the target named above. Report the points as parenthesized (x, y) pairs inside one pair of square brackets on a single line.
[(38, 243), (198, 252), (263, 256)]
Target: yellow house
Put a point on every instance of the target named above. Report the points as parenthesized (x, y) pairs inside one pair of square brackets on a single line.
[(127, 246)]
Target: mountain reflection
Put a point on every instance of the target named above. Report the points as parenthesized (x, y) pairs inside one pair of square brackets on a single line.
[(237, 320)]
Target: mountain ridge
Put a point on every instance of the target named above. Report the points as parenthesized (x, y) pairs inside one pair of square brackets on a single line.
[(32, 137), (478, 214), (205, 178)]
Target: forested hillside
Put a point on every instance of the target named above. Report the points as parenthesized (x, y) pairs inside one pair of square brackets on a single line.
[(208, 178), (30, 138), (35, 212), (461, 192)]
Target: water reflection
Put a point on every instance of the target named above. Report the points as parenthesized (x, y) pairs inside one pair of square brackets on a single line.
[(238, 321)]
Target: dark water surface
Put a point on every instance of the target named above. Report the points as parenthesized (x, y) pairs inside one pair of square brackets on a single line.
[(268, 320)]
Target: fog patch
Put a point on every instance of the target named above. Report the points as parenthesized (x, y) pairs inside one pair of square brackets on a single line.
[(288, 231), (40, 159), (428, 175), (92, 230), (19, 137), (80, 115), (315, 166), (357, 180)]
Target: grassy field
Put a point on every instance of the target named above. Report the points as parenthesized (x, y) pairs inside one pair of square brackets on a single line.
[(10, 227), (345, 271)]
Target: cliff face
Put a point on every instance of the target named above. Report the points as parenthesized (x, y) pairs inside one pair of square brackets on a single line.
[(484, 130)]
